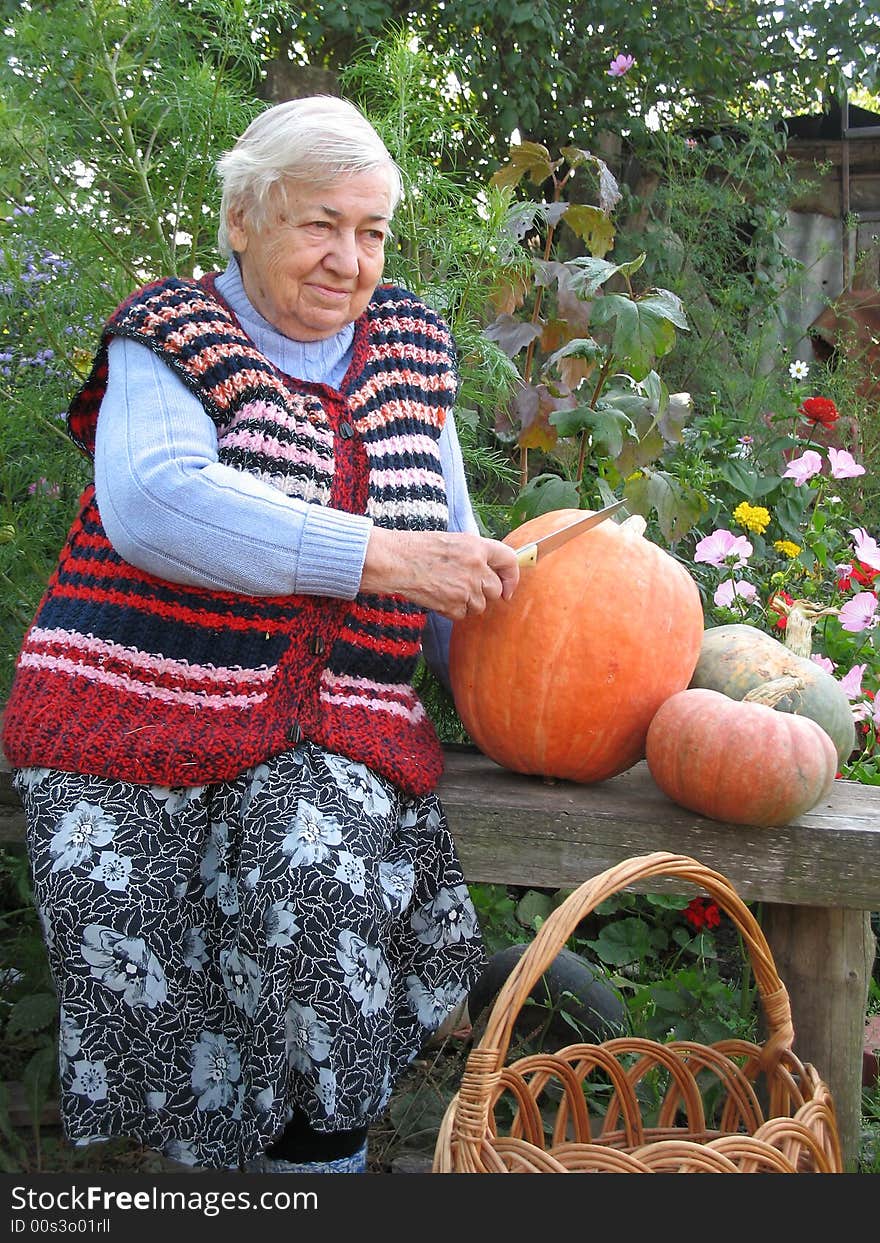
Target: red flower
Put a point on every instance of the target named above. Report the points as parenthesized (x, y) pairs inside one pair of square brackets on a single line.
[(861, 573), (781, 621), (820, 410), (700, 913), (864, 574), (694, 913)]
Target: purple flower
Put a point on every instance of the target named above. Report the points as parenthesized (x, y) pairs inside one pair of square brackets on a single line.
[(859, 613), (844, 465), (823, 662), (851, 684), (866, 548), (620, 65), (729, 590), (720, 546), (800, 469)]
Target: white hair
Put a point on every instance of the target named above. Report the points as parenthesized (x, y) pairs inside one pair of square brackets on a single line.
[(314, 140)]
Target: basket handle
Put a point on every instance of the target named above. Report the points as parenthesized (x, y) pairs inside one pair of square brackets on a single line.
[(490, 1052)]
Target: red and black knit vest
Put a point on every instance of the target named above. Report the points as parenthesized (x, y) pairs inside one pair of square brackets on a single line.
[(123, 674)]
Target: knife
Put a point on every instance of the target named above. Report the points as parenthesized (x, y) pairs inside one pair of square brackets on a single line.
[(529, 553)]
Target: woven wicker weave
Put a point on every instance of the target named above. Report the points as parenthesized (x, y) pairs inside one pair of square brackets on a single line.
[(703, 1102)]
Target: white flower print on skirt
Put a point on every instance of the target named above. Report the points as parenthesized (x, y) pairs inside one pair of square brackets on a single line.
[(226, 953)]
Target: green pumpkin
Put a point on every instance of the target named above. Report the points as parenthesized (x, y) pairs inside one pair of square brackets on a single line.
[(736, 659)]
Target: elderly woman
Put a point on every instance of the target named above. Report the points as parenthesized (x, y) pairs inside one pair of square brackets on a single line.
[(252, 904)]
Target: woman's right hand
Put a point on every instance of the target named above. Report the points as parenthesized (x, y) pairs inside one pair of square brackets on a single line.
[(451, 573)]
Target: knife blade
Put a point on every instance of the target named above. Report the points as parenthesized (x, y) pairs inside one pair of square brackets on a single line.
[(529, 553)]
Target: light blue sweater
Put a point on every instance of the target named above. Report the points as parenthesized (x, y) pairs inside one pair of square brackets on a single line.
[(170, 508)]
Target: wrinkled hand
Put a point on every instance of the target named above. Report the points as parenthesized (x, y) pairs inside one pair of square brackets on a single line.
[(452, 573)]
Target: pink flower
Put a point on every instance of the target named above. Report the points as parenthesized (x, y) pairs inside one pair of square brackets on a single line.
[(44, 487), (862, 710), (859, 612), (800, 469), (729, 590), (843, 464), (866, 548), (823, 662), (620, 65), (717, 548), (851, 684)]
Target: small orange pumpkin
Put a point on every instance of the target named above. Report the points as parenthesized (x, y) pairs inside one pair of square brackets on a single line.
[(563, 679), (740, 761)]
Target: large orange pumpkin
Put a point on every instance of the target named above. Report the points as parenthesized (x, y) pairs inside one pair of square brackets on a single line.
[(563, 679)]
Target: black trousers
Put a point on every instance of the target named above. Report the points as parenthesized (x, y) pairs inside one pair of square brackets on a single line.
[(299, 1142)]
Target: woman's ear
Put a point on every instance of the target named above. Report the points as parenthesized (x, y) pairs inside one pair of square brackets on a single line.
[(236, 229)]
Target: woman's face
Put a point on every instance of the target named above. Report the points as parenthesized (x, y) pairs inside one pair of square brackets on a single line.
[(311, 268)]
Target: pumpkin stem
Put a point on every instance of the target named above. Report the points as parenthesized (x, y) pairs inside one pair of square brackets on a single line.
[(802, 617), (770, 693), (635, 523)]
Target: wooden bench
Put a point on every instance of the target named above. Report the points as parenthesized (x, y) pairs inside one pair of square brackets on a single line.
[(817, 879)]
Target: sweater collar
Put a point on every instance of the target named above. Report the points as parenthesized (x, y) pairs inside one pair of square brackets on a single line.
[(320, 362)]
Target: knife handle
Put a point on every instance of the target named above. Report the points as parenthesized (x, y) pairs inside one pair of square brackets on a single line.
[(527, 555)]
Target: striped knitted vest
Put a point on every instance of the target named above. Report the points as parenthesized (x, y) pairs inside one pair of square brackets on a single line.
[(126, 675)]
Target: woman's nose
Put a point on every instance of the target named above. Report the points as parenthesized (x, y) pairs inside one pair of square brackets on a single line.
[(342, 256)]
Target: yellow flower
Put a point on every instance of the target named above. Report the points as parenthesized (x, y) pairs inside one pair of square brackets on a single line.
[(753, 517), (786, 547)]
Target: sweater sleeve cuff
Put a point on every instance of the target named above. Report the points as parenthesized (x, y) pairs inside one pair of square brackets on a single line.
[(332, 552)]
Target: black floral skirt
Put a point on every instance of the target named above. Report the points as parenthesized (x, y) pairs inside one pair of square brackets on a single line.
[(224, 954)]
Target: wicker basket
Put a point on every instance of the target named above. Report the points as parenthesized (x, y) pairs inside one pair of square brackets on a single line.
[(703, 1101)]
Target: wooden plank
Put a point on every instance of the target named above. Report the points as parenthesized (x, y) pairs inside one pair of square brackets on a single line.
[(518, 830)]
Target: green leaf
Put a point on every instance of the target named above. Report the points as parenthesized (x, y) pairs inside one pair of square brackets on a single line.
[(606, 424), (533, 908), (667, 999), (32, 1014), (739, 475), (678, 506), (587, 275), (609, 191), (624, 941), (765, 484), (542, 494), (643, 329), (789, 512)]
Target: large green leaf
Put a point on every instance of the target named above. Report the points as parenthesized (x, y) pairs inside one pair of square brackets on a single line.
[(541, 494), (587, 275), (678, 507), (644, 328), (739, 475), (623, 941), (606, 424)]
